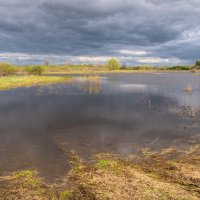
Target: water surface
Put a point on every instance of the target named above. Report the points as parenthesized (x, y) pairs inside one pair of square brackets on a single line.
[(117, 113)]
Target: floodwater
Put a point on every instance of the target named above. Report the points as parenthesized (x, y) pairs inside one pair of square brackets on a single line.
[(118, 113)]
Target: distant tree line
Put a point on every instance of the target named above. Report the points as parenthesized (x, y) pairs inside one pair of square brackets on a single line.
[(112, 64)]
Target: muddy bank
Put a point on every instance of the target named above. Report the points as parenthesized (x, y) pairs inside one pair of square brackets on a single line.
[(172, 173)]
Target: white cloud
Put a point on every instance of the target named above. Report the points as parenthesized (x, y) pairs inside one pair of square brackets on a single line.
[(131, 52), (91, 59), (157, 60), (25, 58), (91, 31)]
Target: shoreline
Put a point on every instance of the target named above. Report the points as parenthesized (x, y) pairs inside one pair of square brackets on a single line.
[(150, 175)]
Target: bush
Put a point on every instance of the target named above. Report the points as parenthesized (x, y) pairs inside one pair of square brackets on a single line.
[(6, 69), (113, 64), (34, 70)]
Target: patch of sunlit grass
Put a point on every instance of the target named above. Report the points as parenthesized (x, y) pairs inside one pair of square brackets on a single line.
[(28, 177), (66, 195), (25, 81)]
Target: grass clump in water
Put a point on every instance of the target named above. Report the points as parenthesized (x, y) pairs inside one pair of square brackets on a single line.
[(188, 89)]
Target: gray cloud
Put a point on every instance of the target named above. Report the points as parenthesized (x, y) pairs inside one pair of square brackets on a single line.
[(169, 31)]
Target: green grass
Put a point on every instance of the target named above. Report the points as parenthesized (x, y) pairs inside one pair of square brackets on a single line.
[(66, 195), (9, 82), (28, 177), (102, 164), (25, 174)]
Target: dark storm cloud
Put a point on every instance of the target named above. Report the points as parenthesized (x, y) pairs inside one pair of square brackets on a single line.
[(168, 31)]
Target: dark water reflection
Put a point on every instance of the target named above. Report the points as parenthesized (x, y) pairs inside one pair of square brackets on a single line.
[(120, 113)]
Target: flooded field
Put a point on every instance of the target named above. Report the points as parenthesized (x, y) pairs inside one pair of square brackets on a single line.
[(115, 113)]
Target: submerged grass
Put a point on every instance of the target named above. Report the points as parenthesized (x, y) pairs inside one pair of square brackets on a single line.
[(23, 81), (170, 174)]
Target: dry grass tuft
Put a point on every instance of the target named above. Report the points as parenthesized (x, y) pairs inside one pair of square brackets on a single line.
[(189, 89)]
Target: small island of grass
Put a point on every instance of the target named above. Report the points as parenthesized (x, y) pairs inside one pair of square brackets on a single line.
[(9, 82)]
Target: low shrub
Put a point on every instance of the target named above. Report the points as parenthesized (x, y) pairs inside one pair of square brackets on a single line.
[(6, 69), (34, 70)]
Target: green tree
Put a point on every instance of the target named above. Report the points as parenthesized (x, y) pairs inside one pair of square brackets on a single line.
[(113, 64)]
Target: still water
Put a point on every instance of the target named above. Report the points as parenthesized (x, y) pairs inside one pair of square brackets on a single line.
[(117, 113)]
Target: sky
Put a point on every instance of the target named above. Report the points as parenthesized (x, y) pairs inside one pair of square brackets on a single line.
[(156, 32)]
